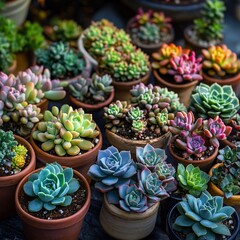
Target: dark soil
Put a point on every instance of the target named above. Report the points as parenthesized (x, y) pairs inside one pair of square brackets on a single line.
[(91, 101), (8, 171), (12, 126), (78, 200)]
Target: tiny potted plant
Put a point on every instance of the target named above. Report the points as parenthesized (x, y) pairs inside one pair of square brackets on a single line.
[(17, 159), (92, 93), (208, 29), (149, 30), (52, 202), (204, 217), (144, 121), (196, 142), (67, 136), (225, 176), (221, 65), (215, 100), (177, 69), (63, 30), (131, 194), (62, 61)]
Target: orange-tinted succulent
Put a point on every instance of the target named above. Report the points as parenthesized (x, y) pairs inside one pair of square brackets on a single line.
[(164, 54), (220, 60)]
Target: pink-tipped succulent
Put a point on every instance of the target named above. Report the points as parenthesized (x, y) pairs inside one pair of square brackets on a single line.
[(186, 68), (215, 130)]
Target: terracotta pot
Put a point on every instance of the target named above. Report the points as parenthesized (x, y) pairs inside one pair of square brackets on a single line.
[(122, 89), (173, 236), (225, 143), (13, 67), (122, 143), (91, 107), (43, 105), (128, 226), (60, 229), (152, 47), (204, 165), (184, 91), (214, 190), (8, 184), (80, 163), (233, 81), (24, 61)]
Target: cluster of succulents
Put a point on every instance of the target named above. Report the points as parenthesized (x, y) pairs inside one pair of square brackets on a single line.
[(12, 154), (203, 217), (193, 137), (149, 26), (192, 180), (215, 100), (151, 109), (227, 176), (210, 26), (96, 89), (235, 124), (219, 61), (133, 187), (61, 60), (66, 131), (52, 186)]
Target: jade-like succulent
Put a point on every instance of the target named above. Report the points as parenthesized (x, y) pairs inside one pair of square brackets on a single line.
[(220, 61), (50, 187), (203, 217), (61, 60), (215, 100), (192, 179), (148, 33), (227, 176), (66, 131)]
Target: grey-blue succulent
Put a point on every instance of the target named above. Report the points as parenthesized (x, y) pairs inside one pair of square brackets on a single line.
[(50, 187)]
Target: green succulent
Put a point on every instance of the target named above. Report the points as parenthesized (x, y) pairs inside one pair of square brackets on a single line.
[(134, 114), (215, 100), (138, 126), (149, 33), (79, 89), (202, 218), (50, 187), (192, 179), (165, 171), (98, 48)]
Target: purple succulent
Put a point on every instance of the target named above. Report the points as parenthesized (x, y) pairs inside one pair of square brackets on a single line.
[(185, 68)]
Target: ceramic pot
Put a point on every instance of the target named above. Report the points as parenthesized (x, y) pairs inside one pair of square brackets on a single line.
[(43, 105), (151, 47), (173, 236), (233, 201), (204, 165), (233, 81), (8, 184), (80, 162), (60, 229), (91, 107), (128, 226), (184, 90), (125, 144)]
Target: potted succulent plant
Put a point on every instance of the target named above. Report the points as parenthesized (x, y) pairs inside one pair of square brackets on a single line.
[(145, 121), (202, 218), (177, 69), (17, 159), (67, 136), (52, 203), (225, 176), (149, 30), (62, 61), (63, 30), (197, 141), (221, 65), (208, 29), (131, 194), (92, 93)]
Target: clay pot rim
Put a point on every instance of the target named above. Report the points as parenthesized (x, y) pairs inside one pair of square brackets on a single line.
[(222, 81), (12, 68), (84, 156), (228, 143), (172, 85), (51, 223), (218, 190), (132, 215), (9, 179), (151, 45), (92, 106), (199, 162), (43, 101)]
